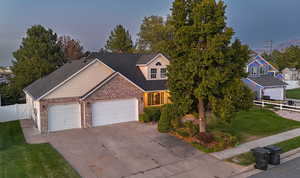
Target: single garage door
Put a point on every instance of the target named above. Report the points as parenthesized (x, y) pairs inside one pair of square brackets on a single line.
[(114, 111), (274, 93), (63, 117)]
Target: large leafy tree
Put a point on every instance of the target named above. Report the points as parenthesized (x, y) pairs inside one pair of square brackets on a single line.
[(155, 32), (71, 48), (290, 57), (206, 68), (38, 55), (119, 41)]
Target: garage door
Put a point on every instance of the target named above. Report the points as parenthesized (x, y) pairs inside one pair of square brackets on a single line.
[(114, 111), (63, 117), (274, 93)]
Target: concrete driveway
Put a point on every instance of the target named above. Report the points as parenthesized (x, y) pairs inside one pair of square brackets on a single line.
[(135, 150)]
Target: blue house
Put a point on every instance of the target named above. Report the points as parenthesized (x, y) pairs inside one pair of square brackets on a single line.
[(264, 79)]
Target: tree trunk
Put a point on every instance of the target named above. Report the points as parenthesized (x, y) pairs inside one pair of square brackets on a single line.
[(202, 117)]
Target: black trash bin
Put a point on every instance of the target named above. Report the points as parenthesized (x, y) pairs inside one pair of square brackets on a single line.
[(262, 157), (274, 154), (291, 103)]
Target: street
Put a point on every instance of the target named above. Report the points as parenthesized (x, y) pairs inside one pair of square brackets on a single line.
[(290, 169)]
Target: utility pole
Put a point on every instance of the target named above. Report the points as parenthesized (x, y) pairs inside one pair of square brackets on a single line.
[(269, 47)]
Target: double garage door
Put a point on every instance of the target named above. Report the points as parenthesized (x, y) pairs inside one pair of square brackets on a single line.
[(114, 111), (64, 117)]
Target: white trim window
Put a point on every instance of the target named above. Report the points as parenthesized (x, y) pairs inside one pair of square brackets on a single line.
[(254, 70), (163, 73), (153, 73)]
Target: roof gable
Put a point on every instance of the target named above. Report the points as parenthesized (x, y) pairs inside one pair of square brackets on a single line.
[(126, 65), (148, 59), (261, 61), (82, 82), (41, 87)]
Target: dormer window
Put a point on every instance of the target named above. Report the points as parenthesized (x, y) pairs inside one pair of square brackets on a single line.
[(163, 73), (158, 64), (153, 74)]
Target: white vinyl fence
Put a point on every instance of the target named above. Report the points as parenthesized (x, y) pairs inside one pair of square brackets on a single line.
[(14, 112), (280, 106)]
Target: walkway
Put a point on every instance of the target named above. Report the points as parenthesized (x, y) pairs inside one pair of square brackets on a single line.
[(256, 143), (289, 114)]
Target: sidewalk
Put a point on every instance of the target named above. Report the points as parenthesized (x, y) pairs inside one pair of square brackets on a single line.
[(256, 143), (289, 114)]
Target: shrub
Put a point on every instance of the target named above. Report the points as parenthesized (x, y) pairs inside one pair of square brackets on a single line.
[(183, 132), (152, 114), (176, 123), (205, 138), (167, 118), (142, 118), (224, 140), (192, 129), (215, 141)]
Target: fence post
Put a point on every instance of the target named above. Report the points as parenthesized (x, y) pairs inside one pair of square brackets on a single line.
[(281, 106), (263, 104)]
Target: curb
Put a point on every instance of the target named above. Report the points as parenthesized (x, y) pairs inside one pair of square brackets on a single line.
[(250, 170)]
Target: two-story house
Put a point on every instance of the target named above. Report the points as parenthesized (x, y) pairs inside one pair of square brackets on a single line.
[(264, 79), (105, 88), (291, 74)]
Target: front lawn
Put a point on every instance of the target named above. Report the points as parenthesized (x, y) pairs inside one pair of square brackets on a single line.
[(247, 158), (10, 134), (18, 159), (293, 94), (255, 123)]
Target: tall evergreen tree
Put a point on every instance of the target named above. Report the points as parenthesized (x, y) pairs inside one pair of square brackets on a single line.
[(119, 41), (38, 55), (206, 68)]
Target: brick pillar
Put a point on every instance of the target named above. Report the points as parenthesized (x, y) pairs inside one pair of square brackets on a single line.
[(88, 114), (82, 111), (44, 117), (141, 104)]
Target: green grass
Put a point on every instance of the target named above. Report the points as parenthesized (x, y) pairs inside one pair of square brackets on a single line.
[(18, 159), (202, 148), (255, 123), (10, 134), (247, 158), (294, 93)]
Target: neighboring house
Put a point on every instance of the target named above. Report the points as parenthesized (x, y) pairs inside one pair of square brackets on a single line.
[(291, 74), (5, 70), (3, 79), (105, 88), (264, 79)]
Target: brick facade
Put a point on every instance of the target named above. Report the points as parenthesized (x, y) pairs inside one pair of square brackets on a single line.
[(116, 88)]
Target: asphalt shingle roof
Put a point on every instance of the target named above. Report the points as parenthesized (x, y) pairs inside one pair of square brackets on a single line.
[(126, 65), (122, 63), (45, 84), (144, 59), (267, 81)]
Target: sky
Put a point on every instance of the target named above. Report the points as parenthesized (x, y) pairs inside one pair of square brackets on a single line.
[(90, 22)]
